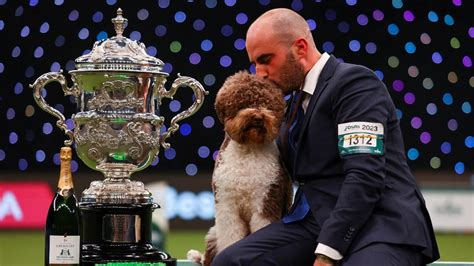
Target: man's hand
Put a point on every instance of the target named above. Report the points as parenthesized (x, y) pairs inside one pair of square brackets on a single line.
[(323, 260)]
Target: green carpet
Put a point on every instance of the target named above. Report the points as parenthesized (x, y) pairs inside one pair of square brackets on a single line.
[(25, 248)]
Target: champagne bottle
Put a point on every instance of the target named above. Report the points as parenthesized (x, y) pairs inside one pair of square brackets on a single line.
[(62, 245)]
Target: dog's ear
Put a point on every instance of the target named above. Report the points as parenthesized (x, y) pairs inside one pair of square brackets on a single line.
[(227, 95)]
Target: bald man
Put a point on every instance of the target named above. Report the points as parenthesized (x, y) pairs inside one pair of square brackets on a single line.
[(357, 202)]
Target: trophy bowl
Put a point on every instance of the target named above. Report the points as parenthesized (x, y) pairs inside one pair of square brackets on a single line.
[(118, 90)]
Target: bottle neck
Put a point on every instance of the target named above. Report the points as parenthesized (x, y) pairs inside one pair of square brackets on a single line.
[(65, 184)]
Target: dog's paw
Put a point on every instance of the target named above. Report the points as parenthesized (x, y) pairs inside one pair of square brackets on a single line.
[(194, 255)]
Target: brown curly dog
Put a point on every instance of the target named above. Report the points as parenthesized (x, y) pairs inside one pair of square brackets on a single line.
[(251, 187)]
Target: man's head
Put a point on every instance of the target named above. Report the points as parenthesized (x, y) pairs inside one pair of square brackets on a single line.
[(282, 48)]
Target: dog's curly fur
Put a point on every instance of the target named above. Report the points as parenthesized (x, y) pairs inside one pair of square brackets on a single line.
[(250, 185)]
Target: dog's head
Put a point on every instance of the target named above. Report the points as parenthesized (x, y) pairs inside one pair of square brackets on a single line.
[(250, 107)]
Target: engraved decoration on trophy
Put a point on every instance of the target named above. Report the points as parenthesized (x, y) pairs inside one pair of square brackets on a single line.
[(118, 88)]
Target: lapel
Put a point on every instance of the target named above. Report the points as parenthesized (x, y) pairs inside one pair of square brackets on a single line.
[(323, 81)]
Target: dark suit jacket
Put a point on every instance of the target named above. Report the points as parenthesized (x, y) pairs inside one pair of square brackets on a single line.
[(358, 199)]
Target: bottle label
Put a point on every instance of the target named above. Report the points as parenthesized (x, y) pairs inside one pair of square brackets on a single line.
[(64, 249)]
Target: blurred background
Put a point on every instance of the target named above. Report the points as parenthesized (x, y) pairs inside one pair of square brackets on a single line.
[(422, 50)]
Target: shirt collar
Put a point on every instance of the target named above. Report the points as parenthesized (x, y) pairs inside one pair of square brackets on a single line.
[(312, 77)]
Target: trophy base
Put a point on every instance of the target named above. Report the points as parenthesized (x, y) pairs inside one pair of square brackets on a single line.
[(118, 233), (93, 254)]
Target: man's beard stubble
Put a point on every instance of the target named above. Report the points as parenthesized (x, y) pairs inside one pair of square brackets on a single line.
[(292, 74)]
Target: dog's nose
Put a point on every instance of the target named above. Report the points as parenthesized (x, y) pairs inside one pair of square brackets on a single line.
[(258, 121)]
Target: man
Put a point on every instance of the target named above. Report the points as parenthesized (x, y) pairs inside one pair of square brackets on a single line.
[(357, 202)]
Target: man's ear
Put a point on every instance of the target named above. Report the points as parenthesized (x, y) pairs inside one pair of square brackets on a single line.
[(300, 47)]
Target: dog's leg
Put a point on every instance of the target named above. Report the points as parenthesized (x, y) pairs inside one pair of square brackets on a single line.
[(230, 228), (211, 247)]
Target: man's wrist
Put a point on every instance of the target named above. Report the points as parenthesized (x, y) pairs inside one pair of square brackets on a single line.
[(325, 259)]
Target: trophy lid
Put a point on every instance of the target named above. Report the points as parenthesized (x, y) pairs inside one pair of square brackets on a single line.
[(119, 53)]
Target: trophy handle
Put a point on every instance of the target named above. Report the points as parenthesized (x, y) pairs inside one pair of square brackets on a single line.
[(199, 93), (42, 81)]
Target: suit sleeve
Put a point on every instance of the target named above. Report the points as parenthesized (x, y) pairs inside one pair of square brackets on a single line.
[(360, 97)]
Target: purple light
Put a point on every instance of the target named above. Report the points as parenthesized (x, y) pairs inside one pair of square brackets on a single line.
[(416, 122), (74, 15), (209, 79), (151, 50), (60, 40), (203, 152), (185, 129), (160, 30), (371, 48), (330, 14), (199, 24), (431, 109), (2, 155), (343, 26), (214, 155), (239, 44), (409, 98), (446, 147), (311, 24), (467, 62), (241, 18), (453, 124), (227, 30), (398, 85), (97, 17), (2, 67), (471, 32), (142, 14), (10, 113), (25, 31), (74, 166), (13, 138), (175, 105), (56, 159), (170, 154), (191, 169), (22, 164), (230, 2), (38, 52), (425, 38), (168, 67), (437, 58), (47, 128), (297, 5), (328, 47), (16, 51), (378, 15), (135, 35), (408, 16), (195, 58), (70, 124), (362, 19), (18, 88), (457, 2), (83, 33), (163, 3), (208, 122), (29, 72), (40, 155), (59, 107), (44, 27), (425, 137), (156, 161), (225, 61)]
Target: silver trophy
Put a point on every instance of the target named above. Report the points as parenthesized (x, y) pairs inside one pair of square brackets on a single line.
[(118, 89)]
